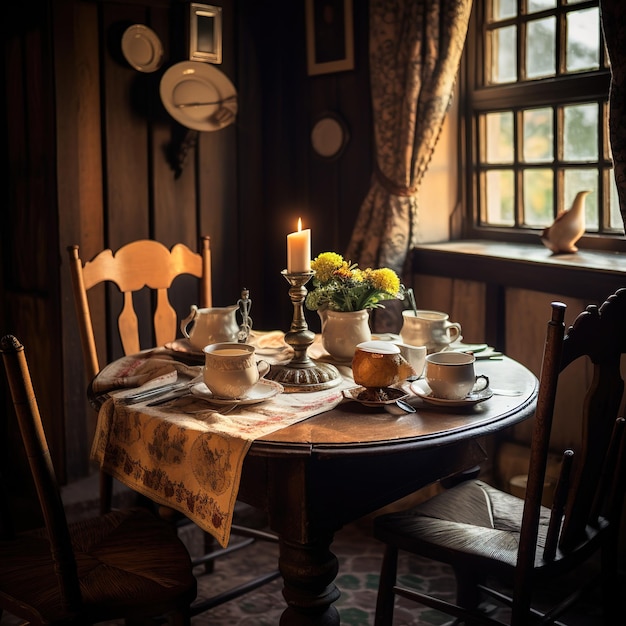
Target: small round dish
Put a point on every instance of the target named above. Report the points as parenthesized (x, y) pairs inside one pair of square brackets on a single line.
[(184, 346), (366, 396), (459, 346), (394, 338), (142, 48), (420, 388), (262, 391), (199, 96)]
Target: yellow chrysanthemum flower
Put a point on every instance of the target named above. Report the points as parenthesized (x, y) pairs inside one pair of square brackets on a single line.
[(385, 280), (325, 265), (341, 286)]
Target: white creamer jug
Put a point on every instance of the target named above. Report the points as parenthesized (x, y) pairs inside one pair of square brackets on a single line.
[(211, 325)]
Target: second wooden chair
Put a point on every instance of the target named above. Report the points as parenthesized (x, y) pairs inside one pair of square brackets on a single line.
[(498, 544)]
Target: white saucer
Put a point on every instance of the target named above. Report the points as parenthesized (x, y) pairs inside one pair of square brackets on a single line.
[(387, 337), (262, 391), (142, 48), (394, 395), (459, 346), (184, 345), (421, 389), (199, 96)]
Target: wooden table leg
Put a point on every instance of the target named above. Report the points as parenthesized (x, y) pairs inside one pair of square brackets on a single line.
[(308, 572)]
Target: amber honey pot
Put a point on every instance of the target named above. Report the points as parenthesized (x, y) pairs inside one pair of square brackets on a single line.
[(380, 364)]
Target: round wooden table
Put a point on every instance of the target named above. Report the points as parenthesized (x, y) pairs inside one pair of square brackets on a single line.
[(317, 475)]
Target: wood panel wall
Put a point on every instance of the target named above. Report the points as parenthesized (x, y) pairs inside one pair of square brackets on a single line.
[(89, 147)]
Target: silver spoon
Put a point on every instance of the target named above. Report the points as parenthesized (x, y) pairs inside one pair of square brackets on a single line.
[(400, 407)]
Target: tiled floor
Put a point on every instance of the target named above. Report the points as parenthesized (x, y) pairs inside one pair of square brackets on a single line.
[(359, 561)]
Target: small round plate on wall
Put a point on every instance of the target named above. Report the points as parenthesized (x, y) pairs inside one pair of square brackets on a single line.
[(329, 136)]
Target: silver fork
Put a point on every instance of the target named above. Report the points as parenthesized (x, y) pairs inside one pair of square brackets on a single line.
[(188, 105)]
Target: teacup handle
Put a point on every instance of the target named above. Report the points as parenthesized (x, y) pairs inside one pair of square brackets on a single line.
[(454, 331), (485, 383), (263, 367)]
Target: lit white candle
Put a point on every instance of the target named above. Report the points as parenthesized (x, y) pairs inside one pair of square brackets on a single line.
[(299, 250)]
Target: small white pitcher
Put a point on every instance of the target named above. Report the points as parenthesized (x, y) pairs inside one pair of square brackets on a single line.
[(211, 325)]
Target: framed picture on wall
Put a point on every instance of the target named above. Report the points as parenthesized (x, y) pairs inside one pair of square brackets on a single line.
[(205, 33), (329, 36)]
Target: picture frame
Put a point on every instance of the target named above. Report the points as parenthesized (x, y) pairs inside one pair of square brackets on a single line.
[(329, 36), (205, 33)]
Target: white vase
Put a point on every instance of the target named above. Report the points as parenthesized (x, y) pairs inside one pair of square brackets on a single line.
[(343, 331)]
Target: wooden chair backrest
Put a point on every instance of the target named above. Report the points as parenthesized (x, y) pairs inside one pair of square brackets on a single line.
[(139, 264), (598, 333), (42, 470), (591, 486)]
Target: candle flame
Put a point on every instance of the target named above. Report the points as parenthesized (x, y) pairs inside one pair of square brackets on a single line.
[(299, 224)]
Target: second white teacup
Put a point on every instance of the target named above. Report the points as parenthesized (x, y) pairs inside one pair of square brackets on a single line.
[(451, 375), (432, 329), (231, 369)]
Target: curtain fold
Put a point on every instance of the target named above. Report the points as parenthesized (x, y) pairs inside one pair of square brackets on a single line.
[(613, 15), (415, 51)]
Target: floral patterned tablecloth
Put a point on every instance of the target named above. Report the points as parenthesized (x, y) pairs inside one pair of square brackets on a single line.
[(185, 454)]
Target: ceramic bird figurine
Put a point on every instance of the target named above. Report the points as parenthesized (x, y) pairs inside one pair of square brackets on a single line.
[(567, 228)]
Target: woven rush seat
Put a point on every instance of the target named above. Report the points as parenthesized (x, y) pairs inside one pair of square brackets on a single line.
[(108, 578), (472, 518)]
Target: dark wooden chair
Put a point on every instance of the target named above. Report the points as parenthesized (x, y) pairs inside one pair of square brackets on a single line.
[(507, 547), (126, 564), (133, 268)]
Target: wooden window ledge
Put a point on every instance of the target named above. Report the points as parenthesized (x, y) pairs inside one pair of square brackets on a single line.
[(590, 275)]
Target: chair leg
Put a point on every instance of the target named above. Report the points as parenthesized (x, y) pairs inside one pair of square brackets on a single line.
[(611, 583), (468, 594), (386, 597), (210, 544), (106, 492)]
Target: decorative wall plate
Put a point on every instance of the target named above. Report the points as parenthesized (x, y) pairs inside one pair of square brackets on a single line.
[(329, 136), (142, 48), (199, 96)]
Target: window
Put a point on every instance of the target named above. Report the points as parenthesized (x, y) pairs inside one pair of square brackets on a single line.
[(537, 130)]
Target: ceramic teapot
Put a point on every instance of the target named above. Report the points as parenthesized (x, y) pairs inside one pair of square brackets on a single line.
[(380, 364), (210, 325)]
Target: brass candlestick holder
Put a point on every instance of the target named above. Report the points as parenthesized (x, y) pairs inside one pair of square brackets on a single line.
[(302, 373)]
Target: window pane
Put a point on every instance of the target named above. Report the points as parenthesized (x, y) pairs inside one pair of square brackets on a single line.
[(583, 40), (501, 9), (499, 129), (541, 48), (503, 49), (540, 5), (580, 136), (538, 187), (499, 200), (579, 180), (538, 135)]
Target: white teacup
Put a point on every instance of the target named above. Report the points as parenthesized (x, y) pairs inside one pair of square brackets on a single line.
[(451, 375), (432, 329), (231, 369)]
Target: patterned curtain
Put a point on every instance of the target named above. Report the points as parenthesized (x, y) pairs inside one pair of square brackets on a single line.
[(415, 50), (613, 14)]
